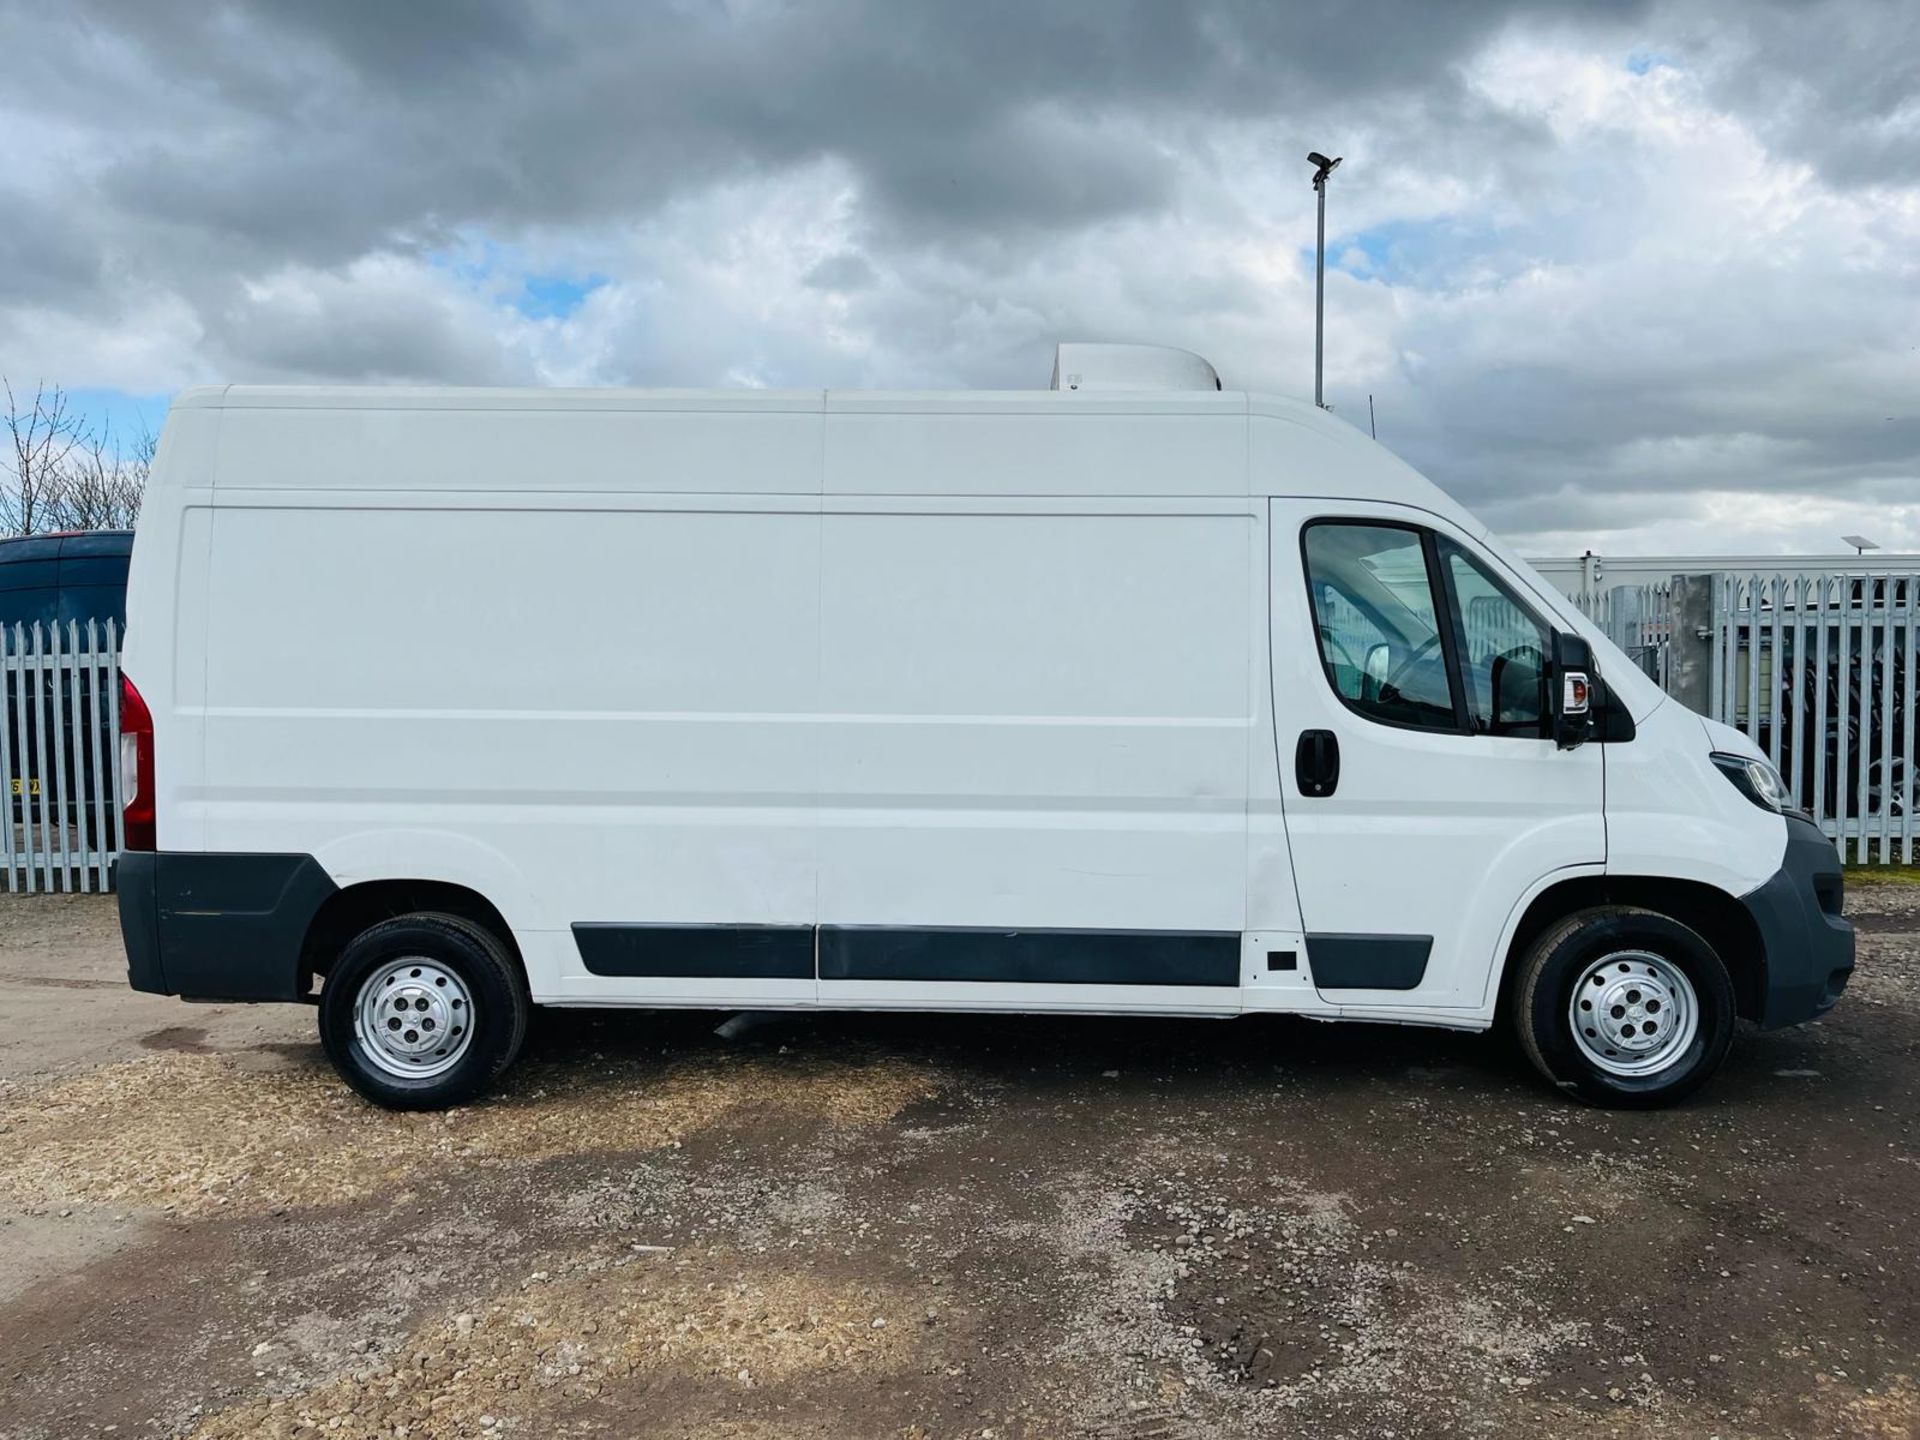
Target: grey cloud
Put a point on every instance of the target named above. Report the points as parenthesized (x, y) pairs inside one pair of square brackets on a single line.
[(843, 272), (351, 122), (383, 328), (1836, 83), (45, 251)]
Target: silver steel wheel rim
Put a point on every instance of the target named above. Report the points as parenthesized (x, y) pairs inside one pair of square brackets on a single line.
[(414, 1018), (1633, 1013)]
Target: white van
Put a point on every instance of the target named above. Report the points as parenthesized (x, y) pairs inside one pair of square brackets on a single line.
[(1133, 695)]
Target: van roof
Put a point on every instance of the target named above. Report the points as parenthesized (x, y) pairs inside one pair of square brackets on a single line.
[(462, 397), (1309, 451)]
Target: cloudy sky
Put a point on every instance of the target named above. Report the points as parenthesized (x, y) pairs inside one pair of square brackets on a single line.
[(1622, 276)]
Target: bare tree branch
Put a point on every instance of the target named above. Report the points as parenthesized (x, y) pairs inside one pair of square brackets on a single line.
[(40, 438), (62, 475)]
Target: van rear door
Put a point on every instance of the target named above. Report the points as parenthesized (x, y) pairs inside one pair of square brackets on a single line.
[(1425, 798)]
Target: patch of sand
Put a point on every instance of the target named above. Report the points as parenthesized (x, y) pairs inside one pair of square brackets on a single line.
[(568, 1334), (1600, 1188), (195, 1133), (1892, 1414)]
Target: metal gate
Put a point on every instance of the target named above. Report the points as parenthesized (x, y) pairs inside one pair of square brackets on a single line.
[(60, 756)]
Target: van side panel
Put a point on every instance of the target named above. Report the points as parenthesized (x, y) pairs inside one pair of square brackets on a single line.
[(690, 676), (1038, 720), (455, 444), (586, 714), (1036, 443)]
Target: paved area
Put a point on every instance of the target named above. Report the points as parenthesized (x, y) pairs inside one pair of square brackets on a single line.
[(916, 1226)]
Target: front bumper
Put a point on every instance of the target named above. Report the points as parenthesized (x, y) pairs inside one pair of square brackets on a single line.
[(218, 927), (1807, 945)]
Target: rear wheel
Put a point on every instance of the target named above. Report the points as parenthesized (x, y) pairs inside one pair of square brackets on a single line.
[(1624, 1007), (423, 1011)]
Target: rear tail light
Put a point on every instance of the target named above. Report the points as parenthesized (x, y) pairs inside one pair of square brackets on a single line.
[(136, 767)]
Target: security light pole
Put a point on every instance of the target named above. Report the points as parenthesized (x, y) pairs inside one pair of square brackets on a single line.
[(1322, 168)]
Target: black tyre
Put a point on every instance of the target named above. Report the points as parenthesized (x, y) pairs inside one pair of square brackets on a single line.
[(1623, 1007), (423, 1011)]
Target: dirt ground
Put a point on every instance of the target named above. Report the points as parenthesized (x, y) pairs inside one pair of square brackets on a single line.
[(854, 1226)]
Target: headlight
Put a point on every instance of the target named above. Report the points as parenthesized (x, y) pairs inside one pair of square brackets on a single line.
[(1757, 780)]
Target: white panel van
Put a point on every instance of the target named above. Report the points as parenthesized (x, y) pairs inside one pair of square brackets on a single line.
[(1131, 695)]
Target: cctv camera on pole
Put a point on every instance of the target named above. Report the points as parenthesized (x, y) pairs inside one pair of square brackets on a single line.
[(1322, 168)]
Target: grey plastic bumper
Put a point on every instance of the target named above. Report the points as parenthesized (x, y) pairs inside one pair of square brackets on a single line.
[(1808, 945), (218, 927)]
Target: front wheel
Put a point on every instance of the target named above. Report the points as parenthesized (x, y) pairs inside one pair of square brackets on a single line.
[(423, 1011), (1624, 1007)]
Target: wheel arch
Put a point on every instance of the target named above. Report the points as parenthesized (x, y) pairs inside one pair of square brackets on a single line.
[(354, 908), (1710, 912)]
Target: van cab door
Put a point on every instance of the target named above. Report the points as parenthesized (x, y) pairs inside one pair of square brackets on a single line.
[(1425, 797)]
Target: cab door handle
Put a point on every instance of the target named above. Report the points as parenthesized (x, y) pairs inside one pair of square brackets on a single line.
[(1316, 763)]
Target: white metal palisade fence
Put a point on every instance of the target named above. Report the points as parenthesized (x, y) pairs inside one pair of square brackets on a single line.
[(60, 756), (1819, 671)]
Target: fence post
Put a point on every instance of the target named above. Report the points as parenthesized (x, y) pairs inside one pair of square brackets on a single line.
[(8, 770), (1691, 651), (1625, 617)]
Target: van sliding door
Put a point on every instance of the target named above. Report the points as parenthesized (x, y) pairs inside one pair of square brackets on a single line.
[(1034, 755)]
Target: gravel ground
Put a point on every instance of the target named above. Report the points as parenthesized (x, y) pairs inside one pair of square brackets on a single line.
[(927, 1226)]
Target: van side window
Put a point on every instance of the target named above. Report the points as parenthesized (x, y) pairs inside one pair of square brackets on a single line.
[(1503, 650), (1375, 617)]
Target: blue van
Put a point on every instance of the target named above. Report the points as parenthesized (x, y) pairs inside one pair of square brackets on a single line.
[(51, 581)]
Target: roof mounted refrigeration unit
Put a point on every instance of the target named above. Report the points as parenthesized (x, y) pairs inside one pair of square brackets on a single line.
[(1130, 367)]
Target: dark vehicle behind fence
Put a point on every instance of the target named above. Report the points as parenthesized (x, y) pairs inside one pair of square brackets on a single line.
[(77, 576), (61, 584)]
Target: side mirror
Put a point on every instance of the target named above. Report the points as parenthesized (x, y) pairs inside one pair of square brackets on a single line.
[(1572, 690)]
